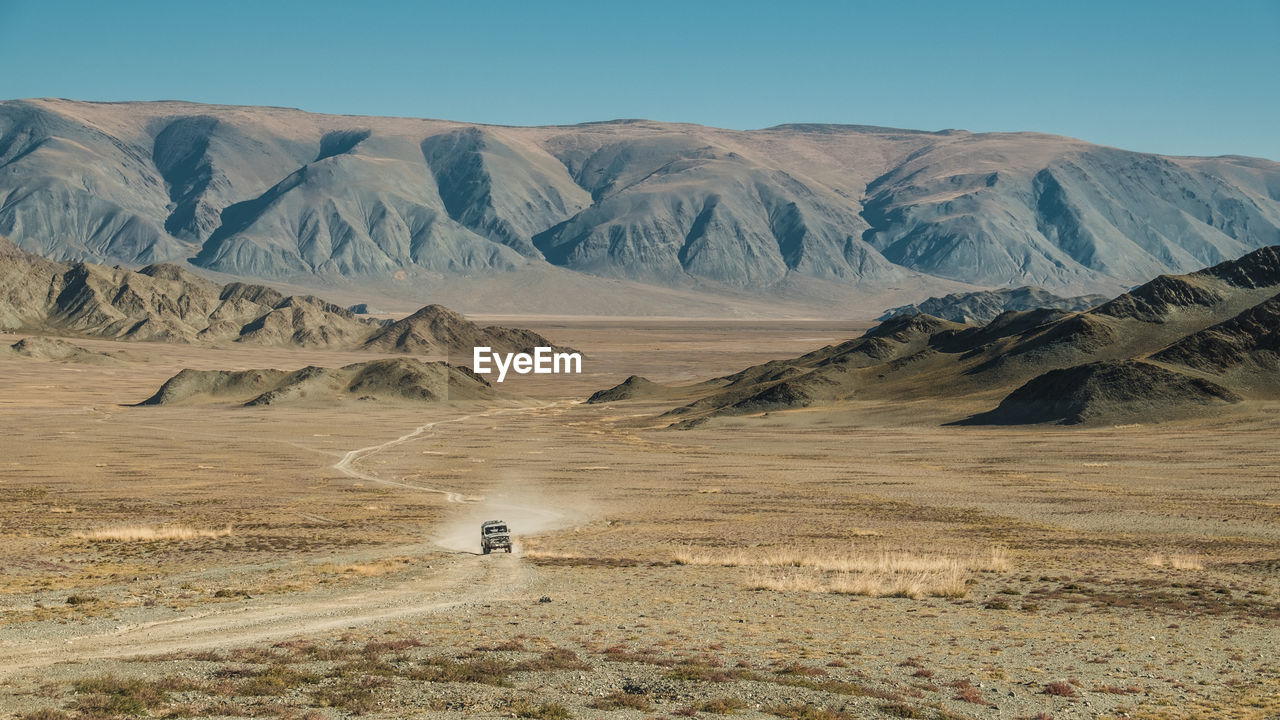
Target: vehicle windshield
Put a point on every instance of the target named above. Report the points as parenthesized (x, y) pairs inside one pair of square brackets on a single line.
[(493, 529)]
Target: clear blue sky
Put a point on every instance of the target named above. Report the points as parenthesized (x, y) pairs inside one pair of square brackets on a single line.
[(1175, 77)]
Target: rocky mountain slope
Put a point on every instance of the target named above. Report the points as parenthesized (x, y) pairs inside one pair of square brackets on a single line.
[(317, 199), (983, 306), (1176, 346), (166, 302), (398, 379)]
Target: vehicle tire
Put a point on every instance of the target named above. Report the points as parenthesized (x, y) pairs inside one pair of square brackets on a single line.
[(485, 550), (508, 550)]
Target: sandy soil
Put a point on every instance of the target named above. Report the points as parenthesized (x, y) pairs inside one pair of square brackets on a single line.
[(339, 573)]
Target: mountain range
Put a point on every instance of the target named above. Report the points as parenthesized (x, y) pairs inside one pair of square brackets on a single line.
[(983, 306), (165, 302), (809, 214), (1174, 347)]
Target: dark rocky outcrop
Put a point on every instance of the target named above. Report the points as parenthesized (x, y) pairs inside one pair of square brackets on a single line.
[(1107, 392), (980, 308), (396, 379)]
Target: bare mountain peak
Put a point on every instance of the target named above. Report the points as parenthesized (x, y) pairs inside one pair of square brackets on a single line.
[(317, 200)]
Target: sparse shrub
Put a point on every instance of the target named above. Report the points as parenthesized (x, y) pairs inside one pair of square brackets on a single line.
[(111, 695), (707, 673), (484, 671), (798, 669), (722, 706), (901, 710), (968, 693), (508, 646), (546, 711), (806, 712), (557, 659), (381, 647), (1061, 688), (621, 701), (363, 665), (275, 680), (346, 695), (45, 714), (257, 656), (996, 605), (81, 600)]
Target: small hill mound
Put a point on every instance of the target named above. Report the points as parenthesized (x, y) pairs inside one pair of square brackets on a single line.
[(436, 329), (1102, 392), (396, 379), (211, 385), (633, 388), (978, 308), (44, 348), (905, 328), (413, 380), (796, 392)]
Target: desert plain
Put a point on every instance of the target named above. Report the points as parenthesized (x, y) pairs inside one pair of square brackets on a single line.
[(321, 559)]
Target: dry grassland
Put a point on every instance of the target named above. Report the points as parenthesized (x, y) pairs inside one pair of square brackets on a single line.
[(211, 561)]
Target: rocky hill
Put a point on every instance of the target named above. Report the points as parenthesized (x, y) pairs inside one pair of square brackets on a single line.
[(983, 306), (1107, 392), (797, 211), (165, 302), (43, 348), (437, 329), (398, 379), (1176, 346)]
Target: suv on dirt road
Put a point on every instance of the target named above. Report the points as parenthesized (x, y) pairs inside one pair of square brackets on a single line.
[(494, 535)]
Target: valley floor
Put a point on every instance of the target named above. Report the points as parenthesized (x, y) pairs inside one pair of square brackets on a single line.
[(209, 560)]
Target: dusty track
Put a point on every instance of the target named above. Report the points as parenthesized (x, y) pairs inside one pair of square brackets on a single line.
[(464, 580), (464, 577)]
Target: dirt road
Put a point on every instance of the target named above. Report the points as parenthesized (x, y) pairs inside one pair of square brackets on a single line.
[(457, 579)]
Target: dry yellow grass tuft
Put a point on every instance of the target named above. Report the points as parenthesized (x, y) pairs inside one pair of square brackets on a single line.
[(373, 569), (950, 583), (550, 555), (881, 574), (1176, 562), (151, 533), (851, 562)]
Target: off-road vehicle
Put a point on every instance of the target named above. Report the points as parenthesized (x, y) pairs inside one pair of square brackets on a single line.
[(494, 535)]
